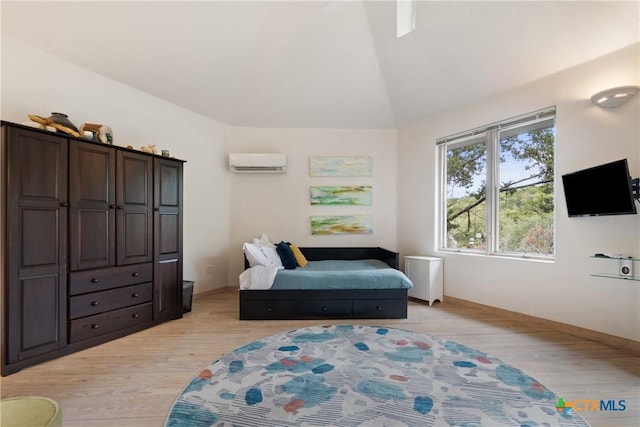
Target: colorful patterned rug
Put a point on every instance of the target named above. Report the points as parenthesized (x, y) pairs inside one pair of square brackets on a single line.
[(349, 375)]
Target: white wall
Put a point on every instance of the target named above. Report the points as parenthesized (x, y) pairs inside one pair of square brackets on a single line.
[(34, 82), (279, 205), (586, 135)]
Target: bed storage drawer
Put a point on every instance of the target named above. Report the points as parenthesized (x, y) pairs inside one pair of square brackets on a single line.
[(92, 326), (325, 308), (274, 309), (330, 304), (379, 308)]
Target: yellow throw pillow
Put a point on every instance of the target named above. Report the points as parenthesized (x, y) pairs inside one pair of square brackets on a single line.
[(300, 259)]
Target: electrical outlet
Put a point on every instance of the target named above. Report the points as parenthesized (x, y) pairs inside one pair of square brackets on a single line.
[(209, 269)]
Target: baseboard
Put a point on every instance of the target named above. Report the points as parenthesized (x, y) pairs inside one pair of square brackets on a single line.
[(584, 333)]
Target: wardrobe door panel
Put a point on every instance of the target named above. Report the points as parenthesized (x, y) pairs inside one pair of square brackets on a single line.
[(135, 208), (35, 244), (167, 278), (93, 206)]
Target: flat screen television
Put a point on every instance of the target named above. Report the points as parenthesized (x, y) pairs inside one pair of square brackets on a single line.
[(601, 190)]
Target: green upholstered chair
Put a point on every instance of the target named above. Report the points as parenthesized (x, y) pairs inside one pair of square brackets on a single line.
[(30, 411)]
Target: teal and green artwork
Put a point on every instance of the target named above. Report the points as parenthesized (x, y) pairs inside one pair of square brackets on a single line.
[(341, 224), (341, 195), (341, 166)]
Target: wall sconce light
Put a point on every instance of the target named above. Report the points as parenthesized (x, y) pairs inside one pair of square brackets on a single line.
[(614, 97)]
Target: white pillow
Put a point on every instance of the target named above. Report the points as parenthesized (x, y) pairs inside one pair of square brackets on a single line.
[(263, 241), (272, 256), (254, 255)]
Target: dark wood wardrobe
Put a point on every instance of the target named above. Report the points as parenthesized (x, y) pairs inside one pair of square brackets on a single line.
[(91, 243)]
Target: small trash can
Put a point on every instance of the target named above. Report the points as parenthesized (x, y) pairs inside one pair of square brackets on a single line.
[(187, 295)]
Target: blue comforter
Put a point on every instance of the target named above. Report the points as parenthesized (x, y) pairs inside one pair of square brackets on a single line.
[(341, 274)]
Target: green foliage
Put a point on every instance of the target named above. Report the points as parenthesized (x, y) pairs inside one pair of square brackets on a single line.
[(535, 148), (468, 230), (526, 220), (464, 163)]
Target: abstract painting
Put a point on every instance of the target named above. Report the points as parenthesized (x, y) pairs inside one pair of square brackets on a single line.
[(341, 166), (341, 195), (341, 224)]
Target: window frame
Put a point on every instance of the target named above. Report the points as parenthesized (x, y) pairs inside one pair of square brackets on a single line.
[(492, 136)]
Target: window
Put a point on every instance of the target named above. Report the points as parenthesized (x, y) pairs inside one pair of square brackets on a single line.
[(496, 186)]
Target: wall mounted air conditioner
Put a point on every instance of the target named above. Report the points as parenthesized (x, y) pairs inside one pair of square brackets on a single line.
[(258, 162)]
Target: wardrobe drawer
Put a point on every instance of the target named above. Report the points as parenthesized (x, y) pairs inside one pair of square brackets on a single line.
[(322, 308), (99, 302), (100, 324), (82, 282)]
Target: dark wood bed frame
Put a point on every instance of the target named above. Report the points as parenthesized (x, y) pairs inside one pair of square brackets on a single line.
[(331, 303)]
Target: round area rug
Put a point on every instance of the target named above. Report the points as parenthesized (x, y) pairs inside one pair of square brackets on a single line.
[(350, 375)]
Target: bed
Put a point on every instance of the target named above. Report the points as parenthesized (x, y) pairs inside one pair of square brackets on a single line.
[(309, 302)]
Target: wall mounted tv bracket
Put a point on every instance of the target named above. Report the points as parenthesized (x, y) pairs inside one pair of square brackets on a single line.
[(635, 188)]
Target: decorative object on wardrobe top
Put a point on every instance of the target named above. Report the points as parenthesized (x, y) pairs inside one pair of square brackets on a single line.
[(57, 121), (614, 97), (97, 132), (150, 148)]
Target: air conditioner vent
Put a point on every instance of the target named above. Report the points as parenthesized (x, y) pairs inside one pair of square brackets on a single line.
[(258, 162), (257, 169)]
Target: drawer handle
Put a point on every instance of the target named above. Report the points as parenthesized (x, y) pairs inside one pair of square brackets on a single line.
[(325, 309), (269, 309), (95, 326), (136, 274), (94, 280), (135, 315), (135, 295), (64, 204), (94, 303), (113, 206), (378, 308)]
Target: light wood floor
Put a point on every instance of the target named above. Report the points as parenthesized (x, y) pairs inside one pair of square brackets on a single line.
[(134, 381)]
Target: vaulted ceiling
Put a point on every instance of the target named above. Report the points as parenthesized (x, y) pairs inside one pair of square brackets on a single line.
[(335, 64)]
